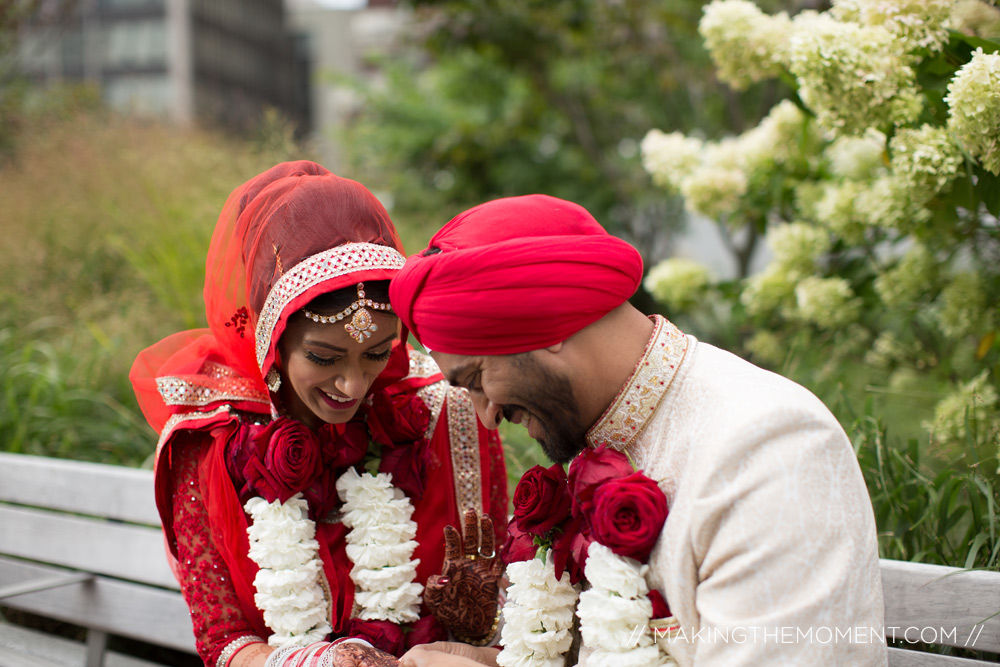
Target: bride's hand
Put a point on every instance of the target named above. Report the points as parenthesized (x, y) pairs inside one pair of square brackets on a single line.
[(463, 597)]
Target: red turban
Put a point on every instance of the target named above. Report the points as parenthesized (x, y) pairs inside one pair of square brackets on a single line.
[(514, 275)]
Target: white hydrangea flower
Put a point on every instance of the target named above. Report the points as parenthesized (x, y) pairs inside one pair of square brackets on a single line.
[(974, 17), (538, 615), (857, 158), (798, 244), (918, 24), (925, 160), (677, 282), (976, 399), (288, 590), (913, 275), (886, 350), (770, 290), (713, 191), (670, 158), (851, 76), (766, 347), (888, 203), (785, 134), (837, 210), (826, 302), (745, 44), (974, 108), (962, 306)]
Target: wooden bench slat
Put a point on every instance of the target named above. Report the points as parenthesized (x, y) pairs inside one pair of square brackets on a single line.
[(118, 550), (115, 492), (121, 608), (918, 596), (23, 647), (43, 584), (902, 658)]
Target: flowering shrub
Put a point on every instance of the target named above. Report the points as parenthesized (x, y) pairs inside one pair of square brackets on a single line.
[(876, 187)]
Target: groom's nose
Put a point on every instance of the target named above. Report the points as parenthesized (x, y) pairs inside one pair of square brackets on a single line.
[(489, 412)]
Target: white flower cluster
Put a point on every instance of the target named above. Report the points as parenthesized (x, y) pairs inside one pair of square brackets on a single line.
[(889, 203), (913, 275), (837, 210), (974, 17), (714, 176), (670, 158), (615, 611), (797, 247), (678, 283), (974, 108), (852, 76), (976, 399), (744, 43), (380, 544), (538, 615), (918, 24), (857, 158), (924, 160), (962, 306), (826, 302), (283, 545)]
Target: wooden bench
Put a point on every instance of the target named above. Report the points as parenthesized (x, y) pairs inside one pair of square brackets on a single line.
[(940, 605), (81, 543)]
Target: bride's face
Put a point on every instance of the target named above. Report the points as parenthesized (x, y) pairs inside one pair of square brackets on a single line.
[(325, 372)]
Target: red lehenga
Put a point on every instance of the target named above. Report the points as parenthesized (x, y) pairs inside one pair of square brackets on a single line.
[(197, 388)]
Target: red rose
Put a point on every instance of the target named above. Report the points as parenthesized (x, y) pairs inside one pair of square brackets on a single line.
[(397, 419), (660, 608), (519, 545), (541, 500), (291, 460), (240, 449), (424, 631), (383, 635), (343, 445), (408, 465), (569, 550), (627, 515), (590, 469)]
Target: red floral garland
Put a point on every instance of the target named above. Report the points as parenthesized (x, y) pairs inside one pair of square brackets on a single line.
[(601, 500)]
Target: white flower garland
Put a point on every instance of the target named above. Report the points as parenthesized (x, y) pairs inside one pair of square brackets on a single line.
[(615, 613), (380, 544), (283, 545), (538, 615)]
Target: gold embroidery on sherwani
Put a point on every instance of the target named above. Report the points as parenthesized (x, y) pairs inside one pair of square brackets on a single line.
[(638, 398)]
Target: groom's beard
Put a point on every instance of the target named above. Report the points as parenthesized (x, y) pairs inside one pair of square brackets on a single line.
[(549, 398)]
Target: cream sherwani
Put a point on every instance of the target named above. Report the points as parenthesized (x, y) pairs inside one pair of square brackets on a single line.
[(769, 554)]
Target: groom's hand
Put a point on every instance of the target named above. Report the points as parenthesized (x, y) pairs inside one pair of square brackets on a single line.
[(463, 597), (449, 654)]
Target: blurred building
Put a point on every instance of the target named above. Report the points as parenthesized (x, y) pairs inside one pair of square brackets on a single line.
[(347, 40), (220, 61)]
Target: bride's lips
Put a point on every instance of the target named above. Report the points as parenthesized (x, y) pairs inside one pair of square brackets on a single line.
[(334, 403)]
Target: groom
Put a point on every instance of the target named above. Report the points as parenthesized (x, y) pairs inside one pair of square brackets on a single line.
[(769, 547)]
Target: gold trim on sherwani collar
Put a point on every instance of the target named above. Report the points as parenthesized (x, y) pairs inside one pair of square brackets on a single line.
[(332, 263), (638, 398)]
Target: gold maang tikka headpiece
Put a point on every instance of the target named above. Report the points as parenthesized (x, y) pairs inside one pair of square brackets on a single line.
[(361, 325)]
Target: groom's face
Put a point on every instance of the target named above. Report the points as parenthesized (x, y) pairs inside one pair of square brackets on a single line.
[(522, 389)]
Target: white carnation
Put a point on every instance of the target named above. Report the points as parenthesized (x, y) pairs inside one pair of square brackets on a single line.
[(538, 614), (287, 586), (612, 573)]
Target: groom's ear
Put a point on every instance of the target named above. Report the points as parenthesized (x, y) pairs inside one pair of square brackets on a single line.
[(554, 349)]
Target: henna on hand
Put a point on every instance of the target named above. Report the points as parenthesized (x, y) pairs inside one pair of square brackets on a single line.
[(354, 654), (463, 597)]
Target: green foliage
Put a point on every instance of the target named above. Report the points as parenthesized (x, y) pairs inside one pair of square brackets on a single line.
[(885, 274), (106, 226)]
